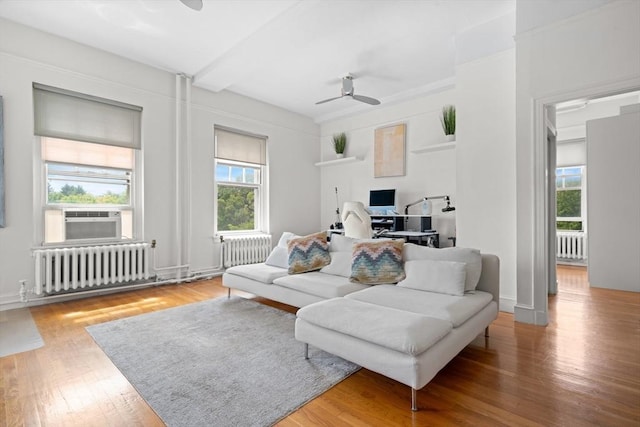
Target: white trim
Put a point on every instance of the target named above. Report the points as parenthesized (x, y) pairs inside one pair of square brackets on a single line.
[(507, 305), (538, 313)]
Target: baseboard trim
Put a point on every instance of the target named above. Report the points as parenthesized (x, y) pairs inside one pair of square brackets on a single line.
[(527, 314), (507, 305)]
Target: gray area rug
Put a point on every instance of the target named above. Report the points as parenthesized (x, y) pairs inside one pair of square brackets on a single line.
[(18, 332), (221, 362)]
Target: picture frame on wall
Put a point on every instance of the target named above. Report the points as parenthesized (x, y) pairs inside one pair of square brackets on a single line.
[(389, 151)]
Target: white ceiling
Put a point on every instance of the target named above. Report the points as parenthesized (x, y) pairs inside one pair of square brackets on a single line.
[(289, 53)]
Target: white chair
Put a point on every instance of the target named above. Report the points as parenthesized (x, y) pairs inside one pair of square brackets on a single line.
[(356, 221)]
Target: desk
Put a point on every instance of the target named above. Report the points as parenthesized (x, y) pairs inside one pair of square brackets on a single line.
[(432, 238)]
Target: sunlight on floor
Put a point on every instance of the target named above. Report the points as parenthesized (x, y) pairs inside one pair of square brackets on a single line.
[(116, 310)]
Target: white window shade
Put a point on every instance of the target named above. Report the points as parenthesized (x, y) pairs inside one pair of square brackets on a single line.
[(79, 153), (240, 147), (64, 114)]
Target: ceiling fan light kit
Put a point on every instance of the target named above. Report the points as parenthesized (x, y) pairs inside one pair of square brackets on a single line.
[(347, 90)]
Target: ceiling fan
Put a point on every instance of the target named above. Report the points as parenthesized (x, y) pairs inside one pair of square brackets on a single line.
[(347, 90)]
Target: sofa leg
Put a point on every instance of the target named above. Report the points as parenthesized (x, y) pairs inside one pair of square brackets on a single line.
[(414, 400), (306, 350), (486, 331), (228, 293)]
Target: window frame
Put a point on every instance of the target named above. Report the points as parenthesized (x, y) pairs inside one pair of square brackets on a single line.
[(41, 195), (259, 195), (49, 205), (583, 196)]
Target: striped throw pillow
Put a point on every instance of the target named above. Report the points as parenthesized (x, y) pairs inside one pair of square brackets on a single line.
[(308, 253), (376, 263)]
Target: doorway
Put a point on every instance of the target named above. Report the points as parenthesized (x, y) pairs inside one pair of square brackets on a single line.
[(568, 181)]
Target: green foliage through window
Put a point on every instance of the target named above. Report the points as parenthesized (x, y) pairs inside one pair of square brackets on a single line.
[(236, 208), (569, 225), (568, 203)]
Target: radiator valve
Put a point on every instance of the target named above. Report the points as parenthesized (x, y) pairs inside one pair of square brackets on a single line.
[(23, 291)]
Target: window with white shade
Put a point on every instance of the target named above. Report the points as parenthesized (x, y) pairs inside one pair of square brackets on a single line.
[(570, 200), (88, 148), (240, 161)]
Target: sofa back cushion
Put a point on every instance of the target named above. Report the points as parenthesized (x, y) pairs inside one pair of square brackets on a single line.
[(341, 243), (308, 253), (470, 257), (377, 262), (443, 277), (340, 264), (279, 256)]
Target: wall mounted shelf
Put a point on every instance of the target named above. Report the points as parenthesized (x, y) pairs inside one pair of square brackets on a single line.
[(435, 147), (338, 161)]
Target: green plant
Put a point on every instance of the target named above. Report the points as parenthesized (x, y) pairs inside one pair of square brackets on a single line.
[(340, 142), (448, 119)]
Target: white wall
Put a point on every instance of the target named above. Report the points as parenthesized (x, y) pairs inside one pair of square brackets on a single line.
[(427, 174), (590, 54), (613, 154), (27, 55), (486, 174), (479, 173)]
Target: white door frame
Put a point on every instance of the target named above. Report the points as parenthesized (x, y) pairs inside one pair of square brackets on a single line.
[(541, 244)]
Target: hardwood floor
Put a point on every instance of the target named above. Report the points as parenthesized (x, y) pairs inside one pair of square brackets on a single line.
[(582, 369)]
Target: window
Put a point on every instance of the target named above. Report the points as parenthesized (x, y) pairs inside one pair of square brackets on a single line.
[(570, 198), (88, 151), (240, 162)]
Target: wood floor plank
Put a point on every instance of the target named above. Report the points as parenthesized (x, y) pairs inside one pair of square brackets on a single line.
[(583, 369)]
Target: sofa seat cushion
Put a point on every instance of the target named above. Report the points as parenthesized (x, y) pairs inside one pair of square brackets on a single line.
[(455, 309), (398, 330), (259, 272), (320, 284)]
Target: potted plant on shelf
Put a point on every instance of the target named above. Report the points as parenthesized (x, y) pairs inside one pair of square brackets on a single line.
[(340, 144), (448, 121)]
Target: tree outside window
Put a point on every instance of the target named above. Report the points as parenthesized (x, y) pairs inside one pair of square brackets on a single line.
[(238, 196), (569, 192)]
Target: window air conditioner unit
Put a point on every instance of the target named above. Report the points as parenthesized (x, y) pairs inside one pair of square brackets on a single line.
[(92, 225)]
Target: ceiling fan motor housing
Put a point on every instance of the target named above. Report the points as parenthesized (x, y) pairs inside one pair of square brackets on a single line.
[(347, 85)]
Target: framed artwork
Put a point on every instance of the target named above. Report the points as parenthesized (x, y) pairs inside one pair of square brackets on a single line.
[(389, 151)]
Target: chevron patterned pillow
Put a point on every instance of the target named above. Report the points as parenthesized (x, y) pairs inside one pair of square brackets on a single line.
[(308, 253), (376, 263)]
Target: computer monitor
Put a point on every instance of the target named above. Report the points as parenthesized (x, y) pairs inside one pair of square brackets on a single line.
[(382, 202)]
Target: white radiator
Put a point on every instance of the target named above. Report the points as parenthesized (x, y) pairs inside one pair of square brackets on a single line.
[(571, 245), (239, 250), (78, 268)]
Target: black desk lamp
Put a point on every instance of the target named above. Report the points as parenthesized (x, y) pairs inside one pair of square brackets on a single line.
[(447, 208)]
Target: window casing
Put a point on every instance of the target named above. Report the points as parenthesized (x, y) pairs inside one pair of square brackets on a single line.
[(239, 196), (570, 198), (86, 175), (84, 179), (240, 162)]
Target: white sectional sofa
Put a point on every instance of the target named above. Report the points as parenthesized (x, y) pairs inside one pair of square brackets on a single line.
[(406, 331)]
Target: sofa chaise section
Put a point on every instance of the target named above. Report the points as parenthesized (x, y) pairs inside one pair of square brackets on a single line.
[(446, 323)]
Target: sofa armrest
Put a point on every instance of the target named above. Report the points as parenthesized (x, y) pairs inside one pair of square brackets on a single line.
[(490, 277)]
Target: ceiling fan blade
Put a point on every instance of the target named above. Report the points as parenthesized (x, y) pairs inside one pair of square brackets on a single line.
[(330, 99), (368, 100), (193, 4)]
